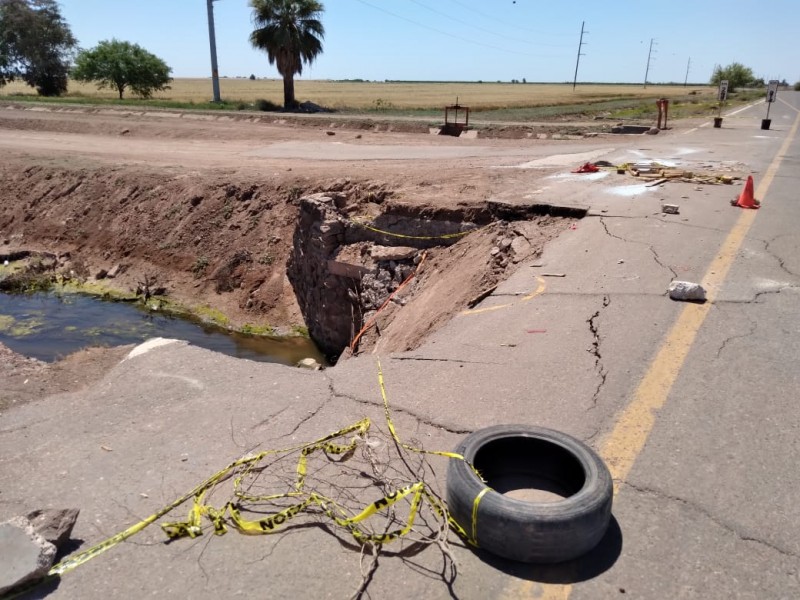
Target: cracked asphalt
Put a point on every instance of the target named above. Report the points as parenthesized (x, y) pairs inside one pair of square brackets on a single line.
[(708, 510)]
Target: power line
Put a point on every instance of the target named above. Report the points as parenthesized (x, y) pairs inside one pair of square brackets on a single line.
[(504, 36), (493, 18), (445, 33)]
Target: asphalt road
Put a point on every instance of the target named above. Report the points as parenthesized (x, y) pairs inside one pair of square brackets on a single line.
[(692, 406)]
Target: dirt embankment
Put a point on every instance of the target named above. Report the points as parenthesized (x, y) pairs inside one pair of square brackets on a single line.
[(209, 241), (220, 245), (198, 211)]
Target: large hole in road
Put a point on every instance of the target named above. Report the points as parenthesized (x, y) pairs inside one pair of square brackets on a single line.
[(345, 268)]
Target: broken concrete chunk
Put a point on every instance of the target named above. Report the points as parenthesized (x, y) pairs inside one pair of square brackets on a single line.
[(54, 524), (670, 209), (392, 252), (309, 363), (520, 246), (687, 290), (114, 271), (26, 556)]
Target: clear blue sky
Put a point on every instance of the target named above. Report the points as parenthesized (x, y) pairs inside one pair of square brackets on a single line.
[(472, 40)]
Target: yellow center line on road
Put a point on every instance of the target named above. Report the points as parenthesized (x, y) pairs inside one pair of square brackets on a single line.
[(623, 445)]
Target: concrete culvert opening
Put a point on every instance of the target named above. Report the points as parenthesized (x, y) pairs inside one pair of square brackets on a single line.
[(349, 262)]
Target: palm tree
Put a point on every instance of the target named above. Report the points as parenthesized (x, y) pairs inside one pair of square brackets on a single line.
[(290, 32)]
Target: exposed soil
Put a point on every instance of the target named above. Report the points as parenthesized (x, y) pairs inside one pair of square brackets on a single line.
[(27, 379), (204, 211)]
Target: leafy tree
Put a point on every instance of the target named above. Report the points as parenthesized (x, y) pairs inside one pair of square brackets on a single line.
[(290, 32), (36, 45), (119, 65), (737, 75)]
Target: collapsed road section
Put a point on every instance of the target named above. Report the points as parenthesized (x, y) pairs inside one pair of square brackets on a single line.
[(350, 270)]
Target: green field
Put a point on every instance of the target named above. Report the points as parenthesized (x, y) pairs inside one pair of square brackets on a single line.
[(499, 101)]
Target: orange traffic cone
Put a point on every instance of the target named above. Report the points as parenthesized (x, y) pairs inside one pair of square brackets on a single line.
[(747, 198)]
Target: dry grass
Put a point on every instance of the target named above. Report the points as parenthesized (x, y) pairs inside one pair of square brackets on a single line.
[(391, 96)]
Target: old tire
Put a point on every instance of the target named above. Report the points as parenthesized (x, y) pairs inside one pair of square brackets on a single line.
[(511, 457)]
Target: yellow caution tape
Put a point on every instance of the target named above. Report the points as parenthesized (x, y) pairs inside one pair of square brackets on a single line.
[(456, 527), (191, 527), (445, 236), (231, 514), (394, 433), (475, 504)]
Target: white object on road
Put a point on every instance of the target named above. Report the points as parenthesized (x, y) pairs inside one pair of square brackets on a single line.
[(686, 290), (148, 345)]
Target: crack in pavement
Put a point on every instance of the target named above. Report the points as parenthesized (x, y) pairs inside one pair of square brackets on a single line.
[(727, 525), (589, 440), (781, 261), (595, 351), (270, 418), (452, 360), (510, 295), (725, 342), (312, 414), (18, 428), (653, 218), (608, 233), (618, 294), (649, 247), (661, 264), (420, 419), (778, 291), (754, 299)]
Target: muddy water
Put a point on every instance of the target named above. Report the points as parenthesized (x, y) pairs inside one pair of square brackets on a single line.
[(49, 326)]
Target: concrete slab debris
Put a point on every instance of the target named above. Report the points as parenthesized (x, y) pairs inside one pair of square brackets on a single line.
[(54, 524), (27, 556)]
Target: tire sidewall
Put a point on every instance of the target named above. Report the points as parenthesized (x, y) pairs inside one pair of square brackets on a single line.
[(542, 532)]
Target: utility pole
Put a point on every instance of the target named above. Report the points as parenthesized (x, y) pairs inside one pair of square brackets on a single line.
[(577, 62), (649, 54), (213, 43), (685, 81)]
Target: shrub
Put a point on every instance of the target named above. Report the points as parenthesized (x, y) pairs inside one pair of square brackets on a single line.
[(266, 105), (200, 265)]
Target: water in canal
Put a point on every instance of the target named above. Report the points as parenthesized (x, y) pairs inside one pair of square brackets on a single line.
[(49, 326)]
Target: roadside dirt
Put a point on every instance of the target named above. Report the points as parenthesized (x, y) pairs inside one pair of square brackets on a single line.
[(27, 379), (204, 211)]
